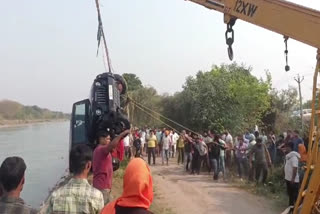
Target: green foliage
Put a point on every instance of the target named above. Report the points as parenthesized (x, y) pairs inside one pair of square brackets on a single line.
[(10, 110), (227, 97), (285, 100), (278, 116), (133, 82), (307, 104), (146, 96)]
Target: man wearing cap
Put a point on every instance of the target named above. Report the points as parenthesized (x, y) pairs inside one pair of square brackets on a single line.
[(102, 162)]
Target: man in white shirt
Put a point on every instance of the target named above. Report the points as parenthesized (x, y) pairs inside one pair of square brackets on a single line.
[(126, 143), (291, 174), (207, 138), (229, 150), (175, 138), (166, 141), (251, 143), (143, 140)]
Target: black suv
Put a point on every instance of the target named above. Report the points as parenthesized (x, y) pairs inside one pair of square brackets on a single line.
[(102, 111)]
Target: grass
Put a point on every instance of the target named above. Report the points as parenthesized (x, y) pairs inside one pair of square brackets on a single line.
[(117, 181), (274, 190)]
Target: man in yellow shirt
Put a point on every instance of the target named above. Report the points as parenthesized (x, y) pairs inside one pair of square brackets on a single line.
[(152, 142), (181, 142)]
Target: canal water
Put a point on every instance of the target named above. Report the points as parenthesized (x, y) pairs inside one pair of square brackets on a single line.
[(44, 147)]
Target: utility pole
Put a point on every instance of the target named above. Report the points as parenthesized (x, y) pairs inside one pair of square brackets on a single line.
[(299, 81)]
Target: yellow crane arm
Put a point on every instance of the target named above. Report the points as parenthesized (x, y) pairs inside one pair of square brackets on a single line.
[(283, 17)]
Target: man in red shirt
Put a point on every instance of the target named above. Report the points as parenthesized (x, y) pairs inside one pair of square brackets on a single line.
[(102, 162)]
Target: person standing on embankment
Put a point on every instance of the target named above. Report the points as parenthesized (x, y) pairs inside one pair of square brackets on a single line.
[(102, 163), (152, 143)]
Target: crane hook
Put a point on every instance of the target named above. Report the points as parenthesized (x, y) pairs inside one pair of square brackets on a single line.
[(287, 67)]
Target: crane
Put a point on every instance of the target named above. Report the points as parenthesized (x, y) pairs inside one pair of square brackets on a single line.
[(299, 23)]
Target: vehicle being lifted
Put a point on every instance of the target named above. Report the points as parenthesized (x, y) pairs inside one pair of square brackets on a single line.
[(102, 111)]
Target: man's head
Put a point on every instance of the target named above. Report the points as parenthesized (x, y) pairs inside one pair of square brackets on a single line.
[(205, 134), (80, 160), (136, 136), (195, 136), (281, 137), (259, 141), (217, 137), (12, 174), (104, 137), (296, 133), (240, 139), (256, 134), (288, 147)]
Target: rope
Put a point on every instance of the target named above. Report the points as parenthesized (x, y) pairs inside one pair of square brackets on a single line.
[(100, 34), (155, 118), (178, 124)]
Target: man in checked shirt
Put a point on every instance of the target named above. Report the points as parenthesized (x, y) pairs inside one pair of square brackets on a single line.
[(77, 196)]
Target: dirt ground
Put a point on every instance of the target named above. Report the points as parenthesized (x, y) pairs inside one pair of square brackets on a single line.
[(181, 193)]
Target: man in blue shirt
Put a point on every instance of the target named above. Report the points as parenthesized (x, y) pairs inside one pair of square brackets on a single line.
[(296, 140)]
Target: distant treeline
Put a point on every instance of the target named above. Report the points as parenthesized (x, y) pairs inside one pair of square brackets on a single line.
[(11, 110)]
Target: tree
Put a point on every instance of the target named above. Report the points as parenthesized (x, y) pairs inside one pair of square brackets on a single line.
[(133, 82), (282, 103), (11, 110), (307, 104), (148, 97), (227, 97)]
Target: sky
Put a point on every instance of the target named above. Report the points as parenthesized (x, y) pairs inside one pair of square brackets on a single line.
[(48, 48)]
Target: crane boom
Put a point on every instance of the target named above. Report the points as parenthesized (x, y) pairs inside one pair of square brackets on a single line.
[(283, 17)]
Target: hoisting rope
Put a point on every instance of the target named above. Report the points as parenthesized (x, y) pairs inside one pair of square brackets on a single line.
[(160, 115), (100, 34), (154, 117)]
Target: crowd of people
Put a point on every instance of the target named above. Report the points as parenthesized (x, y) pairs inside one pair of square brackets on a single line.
[(252, 154)]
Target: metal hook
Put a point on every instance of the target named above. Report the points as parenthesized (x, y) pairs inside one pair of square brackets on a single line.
[(287, 67)]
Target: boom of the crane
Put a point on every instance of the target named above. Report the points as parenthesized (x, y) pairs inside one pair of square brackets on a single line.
[(299, 23)]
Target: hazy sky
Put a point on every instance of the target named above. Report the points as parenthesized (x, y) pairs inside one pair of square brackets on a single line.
[(47, 48)]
